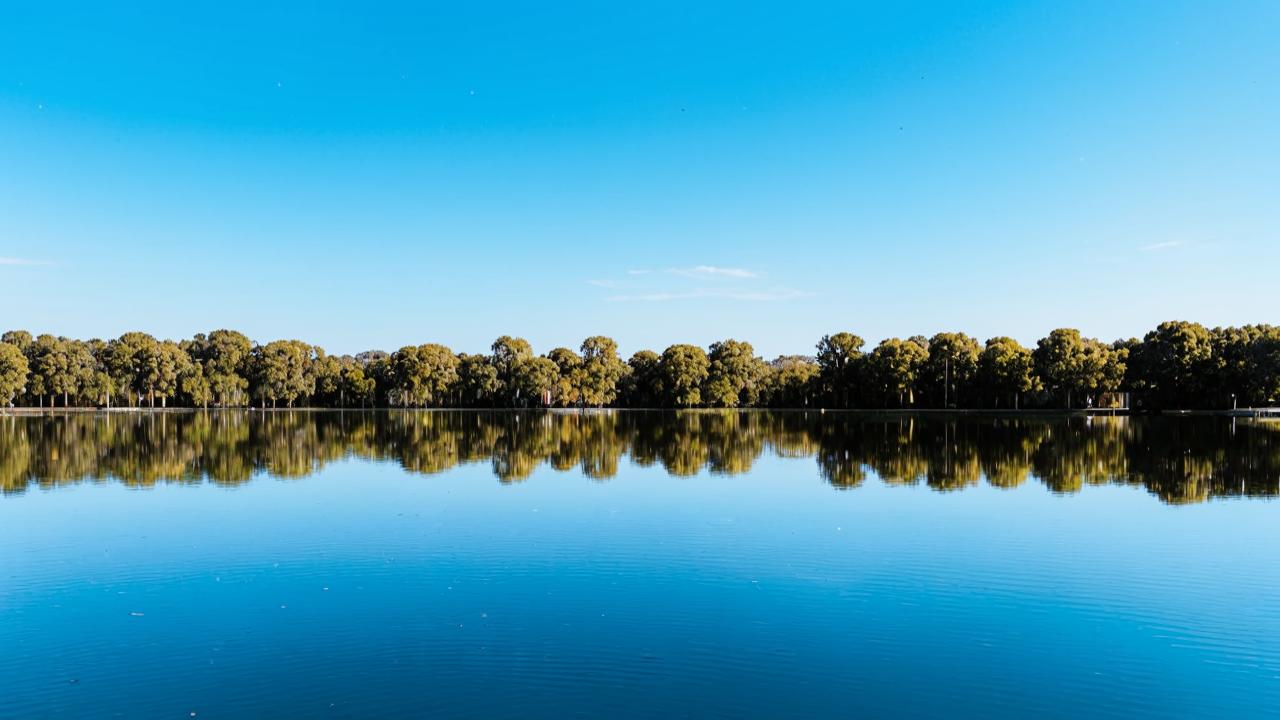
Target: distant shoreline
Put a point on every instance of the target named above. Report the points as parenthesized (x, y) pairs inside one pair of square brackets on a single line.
[(991, 412)]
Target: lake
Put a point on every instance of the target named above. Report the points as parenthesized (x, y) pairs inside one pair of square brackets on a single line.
[(624, 564)]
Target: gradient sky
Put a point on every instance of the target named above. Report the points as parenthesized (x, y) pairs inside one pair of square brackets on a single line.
[(658, 172)]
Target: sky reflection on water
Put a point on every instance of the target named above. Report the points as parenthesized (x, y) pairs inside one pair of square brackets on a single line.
[(715, 573)]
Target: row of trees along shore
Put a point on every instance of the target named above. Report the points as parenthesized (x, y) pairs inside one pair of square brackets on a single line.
[(1179, 365)]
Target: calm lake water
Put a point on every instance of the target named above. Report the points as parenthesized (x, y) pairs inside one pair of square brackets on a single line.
[(406, 564)]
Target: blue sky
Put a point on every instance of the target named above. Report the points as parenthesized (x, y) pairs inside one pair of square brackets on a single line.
[(657, 172)]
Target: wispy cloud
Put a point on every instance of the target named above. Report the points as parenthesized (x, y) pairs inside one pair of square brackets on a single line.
[(1166, 245), (20, 261), (706, 294), (638, 271), (604, 283), (705, 271)]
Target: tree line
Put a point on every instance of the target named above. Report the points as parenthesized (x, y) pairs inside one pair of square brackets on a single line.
[(1179, 460), (1178, 365)]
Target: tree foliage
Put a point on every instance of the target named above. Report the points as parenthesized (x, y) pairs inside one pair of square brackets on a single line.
[(1176, 365)]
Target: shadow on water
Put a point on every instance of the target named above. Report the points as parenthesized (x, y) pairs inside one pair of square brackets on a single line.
[(1179, 460)]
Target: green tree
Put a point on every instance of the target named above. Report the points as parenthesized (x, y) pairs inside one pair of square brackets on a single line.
[(328, 373), (533, 377), (792, 381), (281, 371), (226, 360), (1264, 365), (948, 375), (477, 380), (733, 375), (195, 386), (442, 373), (52, 372), (1175, 363), (839, 363), (13, 371), (1059, 359), (20, 339), (684, 369), (356, 387), (895, 365), (568, 388), (423, 375), (508, 352), (129, 363), (164, 363), (1071, 366), (601, 370), (642, 385), (1006, 369)]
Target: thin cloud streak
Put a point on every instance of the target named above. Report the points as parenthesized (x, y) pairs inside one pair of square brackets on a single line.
[(702, 294), (13, 261), (702, 271), (1153, 247)]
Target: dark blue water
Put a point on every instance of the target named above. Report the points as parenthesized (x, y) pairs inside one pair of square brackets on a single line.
[(347, 583)]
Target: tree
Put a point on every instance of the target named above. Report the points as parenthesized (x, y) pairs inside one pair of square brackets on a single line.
[(601, 370), (1006, 369), (1264, 363), (948, 374), (195, 386), (895, 365), (281, 371), (477, 380), (531, 378), (733, 375), (356, 386), (423, 375), (839, 362), (52, 373), (684, 369), (1175, 364), (164, 365), (13, 371), (20, 339), (441, 373), (328, 373), (792, 381), (508, 352), (226, 358), (642, 385), (1059, 359), (1070, 365), (568, 387), (128, 364)]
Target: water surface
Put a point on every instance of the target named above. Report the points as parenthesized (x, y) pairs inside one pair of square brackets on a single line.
[(238, 564)]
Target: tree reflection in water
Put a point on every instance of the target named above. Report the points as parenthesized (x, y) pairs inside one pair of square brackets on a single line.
[(1179, 460)]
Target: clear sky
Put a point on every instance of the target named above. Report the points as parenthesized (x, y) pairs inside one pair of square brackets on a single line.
[(659, 172)]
